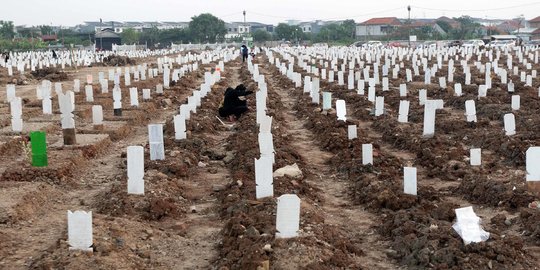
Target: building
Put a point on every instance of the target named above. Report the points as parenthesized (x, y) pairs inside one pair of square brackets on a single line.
[(237, 29), (105, 38), (119, 27), (536, 34), (377, 27), (535, 23), (49, 38)]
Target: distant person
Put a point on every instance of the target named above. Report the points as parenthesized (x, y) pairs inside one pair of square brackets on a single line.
[(245, 52), (6, 57), (232, 106), (54, 54)]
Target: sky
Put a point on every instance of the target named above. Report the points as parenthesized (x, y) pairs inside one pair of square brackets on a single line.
[(73, 12)]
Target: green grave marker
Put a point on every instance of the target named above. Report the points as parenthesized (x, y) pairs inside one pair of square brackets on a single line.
[(39, 148)]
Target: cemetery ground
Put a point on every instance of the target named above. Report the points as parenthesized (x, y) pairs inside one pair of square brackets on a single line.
[(200, 211)]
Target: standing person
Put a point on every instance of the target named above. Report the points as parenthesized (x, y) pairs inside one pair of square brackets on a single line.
[(232, 106), (245, 53), (6, 57), (54, 54)]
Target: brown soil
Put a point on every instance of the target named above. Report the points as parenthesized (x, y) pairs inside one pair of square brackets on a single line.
[(51, 74)]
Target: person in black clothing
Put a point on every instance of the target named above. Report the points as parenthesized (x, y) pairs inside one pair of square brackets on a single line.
[(232, 106), (54, 54), (245, 53), (6, 57)]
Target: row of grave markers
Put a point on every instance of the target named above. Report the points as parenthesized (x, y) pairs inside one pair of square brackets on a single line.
[(80, 222), (467, 224), (288, 205)]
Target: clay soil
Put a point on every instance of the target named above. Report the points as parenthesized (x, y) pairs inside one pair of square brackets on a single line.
[(199, 210)]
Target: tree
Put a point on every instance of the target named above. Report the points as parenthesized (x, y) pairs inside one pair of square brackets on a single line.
[(207, 27), (46, 30), (344, 32), (349, 29), (283, 31), (468, 29), (261, 36), (129, 36), (444, 26), (174, 36), (149, 36), (7, 30), (289, 32)]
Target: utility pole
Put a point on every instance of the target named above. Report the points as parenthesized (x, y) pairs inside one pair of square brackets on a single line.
[(409, 10), (245, 27)]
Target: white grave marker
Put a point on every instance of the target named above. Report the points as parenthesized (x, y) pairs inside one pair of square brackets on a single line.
[(510, 124), (403, 111), (264, 177), (409, 181), (470, 111), (180, 127), (532, 161), (429, 115), (97, 115), (476, 156), (367, 154), (80, 230), (515, 102), (352, 132), (341, 110), (134, 96), (135, 170), (155, 137), (288, 216), (16, 114)]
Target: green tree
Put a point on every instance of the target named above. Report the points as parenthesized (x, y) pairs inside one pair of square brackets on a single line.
[(468, 29), (174, 36), (129, 36), (444, 26), (207, 28), (343, 33), (283, 31), (46, 30), (150, 36), (289, 32), (7, 30), (348, 28), (261, 36)]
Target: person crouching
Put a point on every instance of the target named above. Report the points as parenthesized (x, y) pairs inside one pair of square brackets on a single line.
[(233, 106)]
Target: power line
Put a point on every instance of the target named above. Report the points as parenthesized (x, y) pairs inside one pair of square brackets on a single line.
[(327, 19), (478, 10), (368, 14)]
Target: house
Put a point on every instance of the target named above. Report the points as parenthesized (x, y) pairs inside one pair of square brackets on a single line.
[(525, 33), (315, 26), (536, 34), (237, 29), (535, 23), (105, 38), (421, 23), (47, 38), (509, 26), (119, 27), (377, 27), (453, 23)]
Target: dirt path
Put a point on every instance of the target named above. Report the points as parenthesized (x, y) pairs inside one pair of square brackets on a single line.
[(189, 239), (336, 206)]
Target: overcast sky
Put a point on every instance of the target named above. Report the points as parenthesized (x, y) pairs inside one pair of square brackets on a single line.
[(73, 12)]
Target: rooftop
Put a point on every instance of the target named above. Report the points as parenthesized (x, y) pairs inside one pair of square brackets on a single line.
[(382, 21)]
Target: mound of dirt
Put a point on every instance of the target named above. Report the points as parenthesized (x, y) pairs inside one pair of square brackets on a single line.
[(52, 74), (115, 60)]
